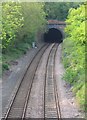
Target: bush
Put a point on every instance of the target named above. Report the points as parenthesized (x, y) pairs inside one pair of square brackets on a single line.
[(74, 52)]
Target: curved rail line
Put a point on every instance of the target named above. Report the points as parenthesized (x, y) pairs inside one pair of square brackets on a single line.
[(56, 91), (51, 102), (18, 104)]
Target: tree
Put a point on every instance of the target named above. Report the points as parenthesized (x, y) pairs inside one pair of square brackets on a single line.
[(34, 20), (11, 22), (74, 51), (59, 10), (20, 22)]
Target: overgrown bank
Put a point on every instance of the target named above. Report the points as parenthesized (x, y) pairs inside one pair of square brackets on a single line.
[(74, 53), (21, 21)]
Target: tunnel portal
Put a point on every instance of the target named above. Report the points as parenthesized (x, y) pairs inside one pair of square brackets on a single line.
[(54, 35)]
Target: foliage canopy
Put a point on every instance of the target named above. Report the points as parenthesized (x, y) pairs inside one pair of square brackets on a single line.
[(20, 21), (59, 10), (74, 51)]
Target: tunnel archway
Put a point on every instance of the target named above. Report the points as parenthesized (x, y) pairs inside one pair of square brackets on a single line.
[(54, 35)]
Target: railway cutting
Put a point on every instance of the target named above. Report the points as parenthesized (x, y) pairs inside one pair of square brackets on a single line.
[(25, 104)]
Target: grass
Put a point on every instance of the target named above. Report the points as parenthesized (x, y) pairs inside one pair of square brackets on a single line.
[(13, 54)]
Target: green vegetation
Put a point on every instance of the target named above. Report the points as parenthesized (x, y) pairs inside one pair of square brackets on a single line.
[(20, 24), (74, 52), (13, 54), (59, 10), (22, 21), (11, 22)]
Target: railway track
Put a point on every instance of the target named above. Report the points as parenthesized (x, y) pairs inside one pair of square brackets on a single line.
[(18, 105), (51, 101)]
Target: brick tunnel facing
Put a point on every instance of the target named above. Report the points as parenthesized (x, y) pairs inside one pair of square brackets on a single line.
[(53, 36)]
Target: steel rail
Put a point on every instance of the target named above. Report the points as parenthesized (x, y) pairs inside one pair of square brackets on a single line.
[(13, 99), (27, 98), (54, 82), (24, 108), (56, 91), (46, 79)]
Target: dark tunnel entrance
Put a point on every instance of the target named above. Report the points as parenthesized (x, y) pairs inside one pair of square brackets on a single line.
[(53, 36)]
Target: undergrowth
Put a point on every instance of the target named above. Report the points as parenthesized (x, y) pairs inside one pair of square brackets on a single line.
[(74, 53), (75, 73), (13, 54)]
